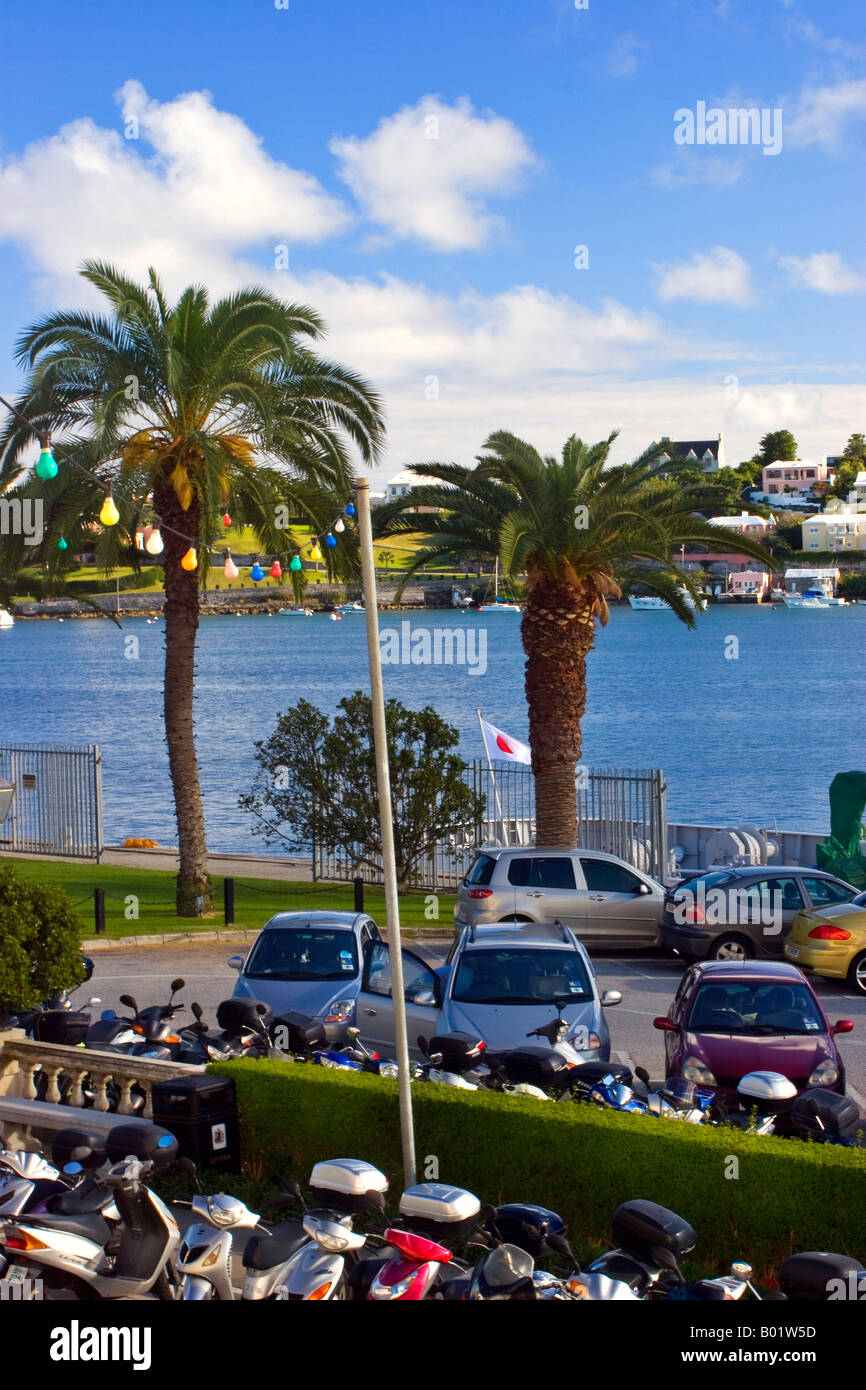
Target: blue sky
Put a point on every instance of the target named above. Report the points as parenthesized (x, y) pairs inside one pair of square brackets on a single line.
[(431, 169)]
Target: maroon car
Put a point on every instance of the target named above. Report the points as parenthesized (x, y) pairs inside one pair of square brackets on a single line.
[(732, 1017)]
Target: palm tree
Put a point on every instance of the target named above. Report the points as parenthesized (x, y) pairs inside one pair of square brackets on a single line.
[(579, 531), (190, 410)]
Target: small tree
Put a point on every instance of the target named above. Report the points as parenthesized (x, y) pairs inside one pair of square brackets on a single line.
[(319, 782), (777, 445), (40, 950)]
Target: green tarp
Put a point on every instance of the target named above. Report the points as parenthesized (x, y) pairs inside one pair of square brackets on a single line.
[(840, 852)]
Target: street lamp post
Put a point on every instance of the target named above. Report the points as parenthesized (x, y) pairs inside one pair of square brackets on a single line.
[(383, 782)]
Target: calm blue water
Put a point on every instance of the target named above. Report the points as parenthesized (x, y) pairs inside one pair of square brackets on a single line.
[(751, 739)]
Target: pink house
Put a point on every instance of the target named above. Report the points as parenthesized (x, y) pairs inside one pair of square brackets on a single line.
[(782, 478), (750, 584)]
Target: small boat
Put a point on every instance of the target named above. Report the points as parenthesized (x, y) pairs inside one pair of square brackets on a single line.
[(296, 612), (653, 604), (499, 605), (814, 597), (343, 608), (6, 619)]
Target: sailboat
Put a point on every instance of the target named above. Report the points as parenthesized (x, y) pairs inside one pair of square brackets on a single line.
[(499, 605), (6, 619)]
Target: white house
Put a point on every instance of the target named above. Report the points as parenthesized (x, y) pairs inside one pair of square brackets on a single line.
[(746, 524), (709, 453), (400, 486)]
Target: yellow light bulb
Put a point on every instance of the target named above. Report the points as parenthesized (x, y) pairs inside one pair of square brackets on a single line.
[(109, 515), (190, 560), (315, 553)]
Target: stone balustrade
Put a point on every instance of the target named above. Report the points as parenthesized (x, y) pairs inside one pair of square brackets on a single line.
[(111, 1076)]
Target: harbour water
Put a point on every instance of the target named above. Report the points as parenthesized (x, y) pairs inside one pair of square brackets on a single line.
[(750, 715)]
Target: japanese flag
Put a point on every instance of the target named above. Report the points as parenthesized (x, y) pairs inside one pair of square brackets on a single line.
[(503, 746)]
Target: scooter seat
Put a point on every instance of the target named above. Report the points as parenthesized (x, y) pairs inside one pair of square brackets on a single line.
[(88, 1224), (265, 1251), (80, 1201)]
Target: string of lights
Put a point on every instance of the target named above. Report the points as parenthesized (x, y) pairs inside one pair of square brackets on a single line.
[(47, 469)]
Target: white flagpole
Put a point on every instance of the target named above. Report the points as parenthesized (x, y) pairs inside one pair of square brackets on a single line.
[(493, 777), (383, 783)]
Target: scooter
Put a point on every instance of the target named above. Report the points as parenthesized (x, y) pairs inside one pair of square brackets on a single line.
[(133, 1261), (319, 1266), (422, 1267), (204, 1262)]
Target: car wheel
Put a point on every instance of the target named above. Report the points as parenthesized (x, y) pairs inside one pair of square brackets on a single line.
[(731, 948), (857, 973)]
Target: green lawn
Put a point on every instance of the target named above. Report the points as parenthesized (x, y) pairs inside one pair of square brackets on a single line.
[(255, 899)]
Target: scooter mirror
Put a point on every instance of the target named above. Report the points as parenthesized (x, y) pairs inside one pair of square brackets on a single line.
[(197, 1011), (185, 1165), (176, 985), (353, 1033), (642, 1075), (91, 1003), (129, 1003)]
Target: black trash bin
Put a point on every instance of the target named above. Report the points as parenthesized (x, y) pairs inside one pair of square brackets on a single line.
[(202, 1114)]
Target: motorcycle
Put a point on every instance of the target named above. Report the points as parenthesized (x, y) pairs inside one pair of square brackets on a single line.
[(133, 1259), (421, 1266), (316, 1266)]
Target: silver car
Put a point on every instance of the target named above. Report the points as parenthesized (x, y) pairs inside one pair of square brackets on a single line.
[(499, 982), (603, 899), (309, 962)]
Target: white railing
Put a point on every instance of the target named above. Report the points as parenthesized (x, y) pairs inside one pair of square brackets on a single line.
[(22, 1060)]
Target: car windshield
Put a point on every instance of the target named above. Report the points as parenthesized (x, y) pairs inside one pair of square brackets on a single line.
[(753, 1007), (289, 954), (520, 975)]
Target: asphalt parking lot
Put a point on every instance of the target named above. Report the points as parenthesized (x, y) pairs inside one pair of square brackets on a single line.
[(647, 983)]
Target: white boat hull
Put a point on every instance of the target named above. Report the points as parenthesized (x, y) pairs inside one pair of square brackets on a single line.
[(6, 619)]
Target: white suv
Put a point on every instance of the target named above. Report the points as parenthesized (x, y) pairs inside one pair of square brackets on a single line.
[(604, 900)]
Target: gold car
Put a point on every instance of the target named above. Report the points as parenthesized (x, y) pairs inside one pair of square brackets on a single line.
[(831, 942)]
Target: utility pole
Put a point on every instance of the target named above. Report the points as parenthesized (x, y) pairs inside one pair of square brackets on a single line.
[(383, 782)]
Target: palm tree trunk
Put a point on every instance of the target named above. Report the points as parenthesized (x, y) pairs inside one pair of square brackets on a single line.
[(194, 892), (558, 629)]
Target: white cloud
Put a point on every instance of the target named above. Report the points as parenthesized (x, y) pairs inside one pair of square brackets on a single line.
[(624, 55), (824, 271), (195, 182), (424, 172), (719, 275), (544, 365), (822, 114), (715, 169)]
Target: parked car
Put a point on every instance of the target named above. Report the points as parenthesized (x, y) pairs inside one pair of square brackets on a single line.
[(603, 899), (500, 982), (735, 914), (732, 1017), (831, 941), (309, 962)]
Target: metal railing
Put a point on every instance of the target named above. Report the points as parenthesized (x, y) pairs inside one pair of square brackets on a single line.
[(620, 812), (57, 805)]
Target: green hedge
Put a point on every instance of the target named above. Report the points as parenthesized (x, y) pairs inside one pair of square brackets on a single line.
[(582, 1162)]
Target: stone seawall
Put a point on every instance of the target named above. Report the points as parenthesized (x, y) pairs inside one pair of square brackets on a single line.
[(321, 598)]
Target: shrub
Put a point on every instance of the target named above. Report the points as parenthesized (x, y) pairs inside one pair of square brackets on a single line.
[(39, 941), (581, 1162)]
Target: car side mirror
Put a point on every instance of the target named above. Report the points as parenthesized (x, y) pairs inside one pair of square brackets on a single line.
[(844, 1025), (665, 1025), (426, 998), (610, 997), (235, 962), (642, 889)]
